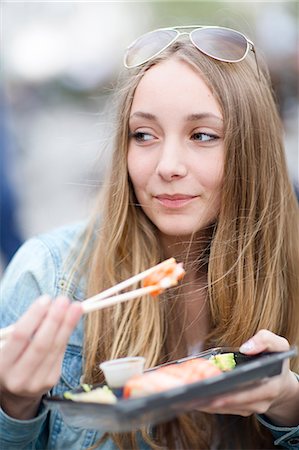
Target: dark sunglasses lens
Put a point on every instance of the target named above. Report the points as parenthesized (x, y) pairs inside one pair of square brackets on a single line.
[(220, 43), (148, 46)]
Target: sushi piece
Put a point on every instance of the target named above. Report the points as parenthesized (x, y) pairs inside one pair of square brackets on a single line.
[(167, 275), (151, 383), (98, 395), (169, 377), (193, 370)]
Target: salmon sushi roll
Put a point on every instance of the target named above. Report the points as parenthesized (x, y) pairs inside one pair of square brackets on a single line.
[(151, 383), (169, 377)]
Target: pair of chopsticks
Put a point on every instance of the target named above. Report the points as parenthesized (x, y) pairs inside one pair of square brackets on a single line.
[(109, 298)]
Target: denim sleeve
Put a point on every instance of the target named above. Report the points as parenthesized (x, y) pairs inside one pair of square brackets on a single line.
[(31, 273), (286, 437), (23, 434)]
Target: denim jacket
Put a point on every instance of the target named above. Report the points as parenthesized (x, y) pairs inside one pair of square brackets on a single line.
[(38, 268)]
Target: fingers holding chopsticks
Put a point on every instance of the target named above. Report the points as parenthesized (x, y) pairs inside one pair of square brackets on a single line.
[(51, 368), (39, 337), (155, 280), (19, 334)]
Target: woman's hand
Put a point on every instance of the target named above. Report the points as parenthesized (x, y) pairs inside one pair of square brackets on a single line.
[(31, 358), (277, 397)]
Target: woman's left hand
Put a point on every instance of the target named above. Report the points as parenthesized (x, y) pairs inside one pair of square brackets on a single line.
[(277, 397)]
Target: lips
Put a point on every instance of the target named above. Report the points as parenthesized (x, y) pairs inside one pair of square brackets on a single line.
[(175, 200)]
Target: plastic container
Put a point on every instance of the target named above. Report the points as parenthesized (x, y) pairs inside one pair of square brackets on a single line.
[(118, 371), (131, 414)]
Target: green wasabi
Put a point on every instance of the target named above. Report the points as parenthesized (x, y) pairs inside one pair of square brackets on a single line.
[(224, 361)]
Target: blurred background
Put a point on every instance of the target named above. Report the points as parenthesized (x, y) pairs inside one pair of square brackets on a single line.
[(59, 62)]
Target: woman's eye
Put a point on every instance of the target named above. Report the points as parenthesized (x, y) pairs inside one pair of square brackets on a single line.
[(204, 137), (140, 136)]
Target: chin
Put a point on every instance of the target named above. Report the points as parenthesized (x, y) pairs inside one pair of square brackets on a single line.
[(176, 228)]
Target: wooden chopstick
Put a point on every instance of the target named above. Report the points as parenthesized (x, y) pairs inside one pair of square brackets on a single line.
[(101, 304), (107, 298), (124, 284), (110, 301)]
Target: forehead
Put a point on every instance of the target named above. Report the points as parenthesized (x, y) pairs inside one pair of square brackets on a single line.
[(174, 84)]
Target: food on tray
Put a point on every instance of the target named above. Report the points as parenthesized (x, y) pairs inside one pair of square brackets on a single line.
[(225, 361), (98, 395), (167, 275), (170, 376), (158, 380)]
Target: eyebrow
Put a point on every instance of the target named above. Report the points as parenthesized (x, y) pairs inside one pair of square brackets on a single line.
[(144, 115), (199, 116), (189, 118)]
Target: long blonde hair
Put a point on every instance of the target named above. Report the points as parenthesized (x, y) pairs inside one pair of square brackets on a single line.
[(253, 247)]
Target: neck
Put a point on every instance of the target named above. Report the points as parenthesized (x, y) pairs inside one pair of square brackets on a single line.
[(194, 310), (191, 250)]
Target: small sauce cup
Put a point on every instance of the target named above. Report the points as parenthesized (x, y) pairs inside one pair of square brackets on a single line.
[(118, 371)]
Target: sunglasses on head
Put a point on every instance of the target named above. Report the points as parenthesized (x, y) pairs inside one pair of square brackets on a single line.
[(223, 44)]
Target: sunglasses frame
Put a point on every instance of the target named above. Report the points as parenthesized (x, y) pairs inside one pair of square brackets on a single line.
[(250, 45)]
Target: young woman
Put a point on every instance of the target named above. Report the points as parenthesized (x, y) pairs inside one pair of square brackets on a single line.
[(198, 173)]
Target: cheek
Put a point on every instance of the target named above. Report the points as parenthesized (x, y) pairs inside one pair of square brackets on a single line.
[(138, 170), (211, 177)]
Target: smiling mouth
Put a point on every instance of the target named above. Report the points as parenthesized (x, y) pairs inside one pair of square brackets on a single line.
[(174, 201)]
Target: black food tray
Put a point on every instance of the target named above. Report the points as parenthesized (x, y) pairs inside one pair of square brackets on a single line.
[(131, 414)]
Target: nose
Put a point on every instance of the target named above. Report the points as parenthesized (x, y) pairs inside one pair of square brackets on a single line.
[(171, 164)]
